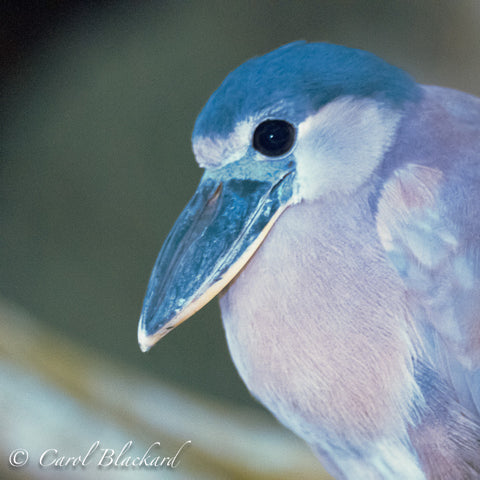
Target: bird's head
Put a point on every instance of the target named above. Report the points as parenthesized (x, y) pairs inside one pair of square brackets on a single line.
[(301, 122)]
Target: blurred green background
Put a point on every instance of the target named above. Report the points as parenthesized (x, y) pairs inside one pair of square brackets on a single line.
[(97, 107)]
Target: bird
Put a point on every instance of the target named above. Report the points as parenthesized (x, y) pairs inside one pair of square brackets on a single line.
[(338, 221)]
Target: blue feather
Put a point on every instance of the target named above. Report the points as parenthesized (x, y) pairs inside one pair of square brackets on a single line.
[(301, 77)]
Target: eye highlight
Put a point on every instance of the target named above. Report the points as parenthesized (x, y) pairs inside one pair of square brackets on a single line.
[(274, 138)]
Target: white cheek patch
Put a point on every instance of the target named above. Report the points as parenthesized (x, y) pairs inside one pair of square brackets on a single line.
[(339, 147), (212, 152)]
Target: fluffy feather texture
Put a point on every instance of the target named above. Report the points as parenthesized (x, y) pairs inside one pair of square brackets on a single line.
[(346, 128), (357, 321)]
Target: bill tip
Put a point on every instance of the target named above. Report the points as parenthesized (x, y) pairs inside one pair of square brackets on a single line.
[(145, 341)]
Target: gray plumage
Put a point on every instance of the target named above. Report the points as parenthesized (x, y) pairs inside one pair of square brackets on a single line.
[(325, 324)]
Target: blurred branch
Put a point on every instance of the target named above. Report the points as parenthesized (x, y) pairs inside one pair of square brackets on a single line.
[(58, 395)]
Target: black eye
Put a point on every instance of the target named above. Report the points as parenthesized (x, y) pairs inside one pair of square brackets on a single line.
[(274, 137)]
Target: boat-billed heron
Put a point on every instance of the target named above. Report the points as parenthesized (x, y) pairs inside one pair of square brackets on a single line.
[(338, 219)]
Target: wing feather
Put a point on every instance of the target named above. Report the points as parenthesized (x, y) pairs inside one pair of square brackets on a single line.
[(428, 221)]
